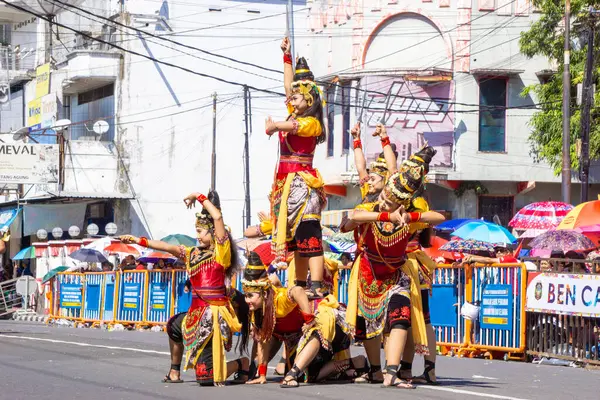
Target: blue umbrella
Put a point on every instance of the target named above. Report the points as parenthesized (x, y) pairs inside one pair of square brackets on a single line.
[(453, 224), (485, 232), (88, 255), (26, 253)]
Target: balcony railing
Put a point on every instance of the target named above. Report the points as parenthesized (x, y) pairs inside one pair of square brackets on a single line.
[(15, 61)]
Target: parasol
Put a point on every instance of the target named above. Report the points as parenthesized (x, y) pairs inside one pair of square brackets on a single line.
[(121, 248), (561, 240), (88, 255), (541, 215), (453, 224), (467, 246), (156, 256), (51, 274), (585, 214), (26, 253), (179, 239), (484, 232)]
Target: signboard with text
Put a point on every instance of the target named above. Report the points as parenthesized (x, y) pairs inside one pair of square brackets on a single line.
[(496, 307), (28, 163), (567, 294), (158, 296), (70, 295), (131, 296)]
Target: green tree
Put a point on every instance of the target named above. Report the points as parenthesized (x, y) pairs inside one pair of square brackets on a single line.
[(546, 38)]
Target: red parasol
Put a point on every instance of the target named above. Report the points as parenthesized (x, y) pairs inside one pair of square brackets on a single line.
[(541, 215), (121, 248)]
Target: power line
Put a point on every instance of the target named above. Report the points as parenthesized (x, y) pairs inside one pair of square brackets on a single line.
[(174, 41)]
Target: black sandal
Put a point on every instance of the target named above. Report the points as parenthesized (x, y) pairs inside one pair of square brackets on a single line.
[(240, 373), (425, 378), (405, 366), (373, 369), (167, 378), (281, 361), (293, 376), (396, 383)]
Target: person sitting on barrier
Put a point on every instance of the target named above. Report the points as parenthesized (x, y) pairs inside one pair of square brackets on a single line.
[(284, 315), (204, 333), (384, 293), (503, 256), (425, 268)]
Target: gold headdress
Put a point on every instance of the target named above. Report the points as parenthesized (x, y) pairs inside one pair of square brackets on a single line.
[(204, 221), (304, 83), (256, 278), (379, 166), (410, 178)]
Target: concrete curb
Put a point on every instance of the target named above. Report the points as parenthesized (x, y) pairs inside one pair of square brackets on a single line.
[(30, 318)]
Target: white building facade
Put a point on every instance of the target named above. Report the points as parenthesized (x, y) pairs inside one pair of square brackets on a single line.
[(447, 73), (421, 67)]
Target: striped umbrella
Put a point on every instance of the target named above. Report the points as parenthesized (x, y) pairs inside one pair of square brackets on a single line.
[(26, 253), (541, 215)]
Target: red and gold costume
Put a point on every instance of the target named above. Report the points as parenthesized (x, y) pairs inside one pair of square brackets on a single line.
[(282, 319), (297, 195), (211, 315), (383, 273)]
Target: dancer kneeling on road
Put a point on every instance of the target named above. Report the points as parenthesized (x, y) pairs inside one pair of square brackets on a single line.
[(204, 333)]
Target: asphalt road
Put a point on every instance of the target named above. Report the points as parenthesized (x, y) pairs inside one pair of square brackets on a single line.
[(42, 362)]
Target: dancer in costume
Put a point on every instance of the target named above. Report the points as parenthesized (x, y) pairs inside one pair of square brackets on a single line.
[(425, 267), (297, 196), (384, 294), (372, 181), (204, 333), (281, 314)]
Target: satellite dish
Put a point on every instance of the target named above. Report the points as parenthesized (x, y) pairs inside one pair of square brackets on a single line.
[(100, 127), (61, 125), (20, 133)]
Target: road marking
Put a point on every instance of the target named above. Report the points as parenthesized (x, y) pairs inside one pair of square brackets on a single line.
[(468, 392), (85, 344), (484, 377)]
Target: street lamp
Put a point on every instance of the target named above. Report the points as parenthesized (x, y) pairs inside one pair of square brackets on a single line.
[(93, 229), (74, 231), (110, 228), (42, 234), (57, 233)]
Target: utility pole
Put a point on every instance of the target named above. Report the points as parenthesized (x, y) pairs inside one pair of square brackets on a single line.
[(247, 114), (566, 111), (587, 96), (213, 168)]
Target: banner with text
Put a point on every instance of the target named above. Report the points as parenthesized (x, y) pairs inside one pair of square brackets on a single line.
[(131, 296), (28, 163), (564, 294)]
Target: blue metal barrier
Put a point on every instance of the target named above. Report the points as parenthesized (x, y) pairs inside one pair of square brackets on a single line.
[(444, 305), (499, 290), (70, 296), (92, 289), (131, 299), (343, 279), (159, 298), (183, 299)]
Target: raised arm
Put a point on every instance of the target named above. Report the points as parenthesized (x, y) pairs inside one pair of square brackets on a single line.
[(288, 69), (388, 152), (215, 213), (359, 156), (151, 244)]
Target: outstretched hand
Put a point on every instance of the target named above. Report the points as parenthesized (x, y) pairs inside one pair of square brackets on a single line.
[(270, 126)]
